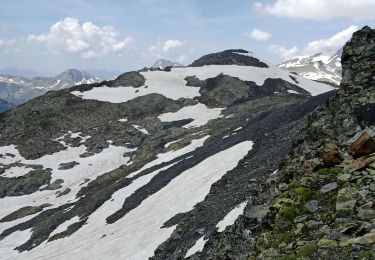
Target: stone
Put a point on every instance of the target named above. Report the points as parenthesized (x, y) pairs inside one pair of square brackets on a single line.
[(329, 187), (366, 212), (344, 177), (331, 155), (364, 240), (327, 243), (283, 186), (345, 203), (364, 145), (344, 243), (68, 165), (311, 165), (312, 206)]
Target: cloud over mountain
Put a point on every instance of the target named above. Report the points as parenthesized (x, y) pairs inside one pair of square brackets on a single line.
[(319, 9)]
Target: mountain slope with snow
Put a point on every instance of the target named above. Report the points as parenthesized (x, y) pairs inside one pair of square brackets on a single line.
[(325, 67), (151, 164), (17, 89)]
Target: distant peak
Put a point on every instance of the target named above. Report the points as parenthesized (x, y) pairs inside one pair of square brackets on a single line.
[(238, 57), (163, 63)]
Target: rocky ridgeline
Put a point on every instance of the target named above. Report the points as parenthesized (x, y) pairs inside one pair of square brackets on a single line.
[(327, 186), (324, 192)]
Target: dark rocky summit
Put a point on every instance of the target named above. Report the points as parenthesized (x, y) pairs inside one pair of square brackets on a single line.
[(229, 57), (320, 204)]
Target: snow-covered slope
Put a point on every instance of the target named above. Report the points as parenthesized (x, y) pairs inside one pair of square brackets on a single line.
[(324, 67), (152, 163)]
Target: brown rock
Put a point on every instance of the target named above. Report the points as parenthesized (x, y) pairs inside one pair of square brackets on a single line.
[(331, 155), (364, 145)]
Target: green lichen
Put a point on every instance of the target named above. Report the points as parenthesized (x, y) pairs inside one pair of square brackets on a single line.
[(288, 257), (307, 250), (366, 255), (294, 184), (304, 194), (330, 171), (288, 213)]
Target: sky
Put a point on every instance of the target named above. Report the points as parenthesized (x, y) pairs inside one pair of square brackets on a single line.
[(49, 37)]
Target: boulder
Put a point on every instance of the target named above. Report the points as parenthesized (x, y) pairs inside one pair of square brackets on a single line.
[(364, 145), (331, 155)]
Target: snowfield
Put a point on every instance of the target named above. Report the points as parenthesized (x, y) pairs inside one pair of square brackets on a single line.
[(139, 232), (173, 84)]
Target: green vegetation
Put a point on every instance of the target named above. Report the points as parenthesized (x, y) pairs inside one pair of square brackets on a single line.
[(330, 171), (367, 255), (307, 250)]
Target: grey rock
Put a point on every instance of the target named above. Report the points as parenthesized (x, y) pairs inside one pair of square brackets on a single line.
[(329, 187), (312, 206)]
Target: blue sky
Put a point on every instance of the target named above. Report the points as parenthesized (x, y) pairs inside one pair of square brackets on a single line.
[(51, 36)]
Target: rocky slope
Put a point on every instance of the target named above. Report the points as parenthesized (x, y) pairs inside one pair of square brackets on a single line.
[(323, 193), (151, 164), (18, 90), (325, 67), (5, 105)]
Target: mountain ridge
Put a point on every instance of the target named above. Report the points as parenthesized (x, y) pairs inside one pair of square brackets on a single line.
[(325, 67), (111, 162)]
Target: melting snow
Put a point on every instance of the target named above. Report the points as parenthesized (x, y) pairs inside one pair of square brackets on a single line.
[(197, 247), (200, 113), (231, 217), (292, 91), (173, 85), (140, 128), (138, 233), (64, 226)]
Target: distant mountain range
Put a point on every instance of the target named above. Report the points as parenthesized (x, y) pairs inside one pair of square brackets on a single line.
[(325, 67), (162, 64), (19, 89)]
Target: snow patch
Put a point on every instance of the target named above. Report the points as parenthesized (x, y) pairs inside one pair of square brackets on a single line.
[(200, 113), (231, 217), (197, 247)]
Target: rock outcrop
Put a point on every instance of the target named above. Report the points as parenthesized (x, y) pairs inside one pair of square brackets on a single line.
[(324, 191)]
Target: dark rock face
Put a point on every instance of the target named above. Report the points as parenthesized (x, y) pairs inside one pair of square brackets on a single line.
[(325, 200), (27, 184), (23, 212), (358, 62), (226, 91), (68, 165), (229, 57)]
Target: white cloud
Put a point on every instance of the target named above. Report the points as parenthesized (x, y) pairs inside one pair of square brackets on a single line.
[(172, 44), (283, 52), (159, 49), (329, 45), (7, 42), (88, 39), (258, 35), (333, 43), (319, 9)]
